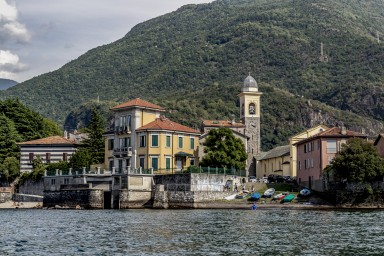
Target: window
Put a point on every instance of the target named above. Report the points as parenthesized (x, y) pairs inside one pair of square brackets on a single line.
[(120, 164), (305, 148), (141, 162), (299, 165), (142, 140), (111, 165), (155, 140), (331, 146), (110, 144), (66, 181), (48, 158), (168, 141), (168, 163), (31, 157), (192, 143), (155, 163), (129, 122), (127, 142), (53, 181), (180, 142), (192, 161), (242, 109), (65, 156), (128, 162)]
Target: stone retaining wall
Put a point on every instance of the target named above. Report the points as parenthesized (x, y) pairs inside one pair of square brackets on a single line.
[(5, 197), (87, 198), (129, 199)]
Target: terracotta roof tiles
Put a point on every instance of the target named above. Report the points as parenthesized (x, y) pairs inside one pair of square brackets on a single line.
[(138, 103), (163, 123), (53, 140)]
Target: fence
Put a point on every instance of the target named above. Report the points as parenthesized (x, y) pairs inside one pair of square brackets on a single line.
[(129, 170)]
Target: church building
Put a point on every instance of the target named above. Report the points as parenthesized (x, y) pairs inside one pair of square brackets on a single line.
[(248, 129)]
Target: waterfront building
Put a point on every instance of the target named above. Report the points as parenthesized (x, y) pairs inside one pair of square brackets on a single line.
[(316, 152), (298, 137), (144, 138), (50, 150), (276, 162), (249, 128)]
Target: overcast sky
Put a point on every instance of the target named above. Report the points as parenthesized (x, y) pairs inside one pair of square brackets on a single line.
[(39, 36)]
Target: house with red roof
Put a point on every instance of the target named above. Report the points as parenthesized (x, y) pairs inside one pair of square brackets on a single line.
[(143, 137), (50, 150), (316, 152)]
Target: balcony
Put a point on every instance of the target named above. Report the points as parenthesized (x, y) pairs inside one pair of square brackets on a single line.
[(122, 152), (122, 130)]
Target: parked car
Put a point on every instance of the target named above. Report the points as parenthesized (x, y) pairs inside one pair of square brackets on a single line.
[(275, 178), (289, 179), (252, 179), (264, 180)]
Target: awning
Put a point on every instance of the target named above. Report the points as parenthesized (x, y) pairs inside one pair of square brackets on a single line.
[(184, 154)]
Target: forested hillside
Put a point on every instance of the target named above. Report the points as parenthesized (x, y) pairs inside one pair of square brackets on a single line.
[(193, 61)]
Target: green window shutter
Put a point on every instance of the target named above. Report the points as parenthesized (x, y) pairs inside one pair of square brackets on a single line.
[(192, 143), (155, 140), (168, 163), (180, 142), (168, 141), (155, 163)]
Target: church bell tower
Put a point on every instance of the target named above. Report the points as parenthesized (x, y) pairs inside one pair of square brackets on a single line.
[(250, 116)]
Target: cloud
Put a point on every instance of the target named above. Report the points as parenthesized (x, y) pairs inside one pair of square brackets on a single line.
[(10, 27), (10, 63)]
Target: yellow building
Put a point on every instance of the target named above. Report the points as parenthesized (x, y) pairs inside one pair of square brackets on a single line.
[(298, 137), (144, 138), (276, 161)]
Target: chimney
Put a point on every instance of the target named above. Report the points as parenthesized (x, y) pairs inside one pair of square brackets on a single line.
[(343, 130)]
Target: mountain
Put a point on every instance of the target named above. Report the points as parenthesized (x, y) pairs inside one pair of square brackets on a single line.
[(6, 83), (314, 60)]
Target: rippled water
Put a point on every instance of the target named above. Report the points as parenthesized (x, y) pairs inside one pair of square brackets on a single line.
[(191, 232)]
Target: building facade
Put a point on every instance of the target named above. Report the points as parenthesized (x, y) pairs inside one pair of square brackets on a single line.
[(316, 152), (298, 137), (49, 150), (379, 144), (142, 137), (276, 161)]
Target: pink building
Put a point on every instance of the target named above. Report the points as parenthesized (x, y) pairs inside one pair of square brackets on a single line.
[(316, 152)]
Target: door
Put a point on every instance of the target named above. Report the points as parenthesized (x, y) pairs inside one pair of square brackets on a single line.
[(179, 164)]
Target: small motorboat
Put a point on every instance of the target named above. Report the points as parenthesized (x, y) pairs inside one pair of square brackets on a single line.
[(231, 197), (279, 196), (269, 192), (254, 197), (305, 192), (288, 198), (242, 195)]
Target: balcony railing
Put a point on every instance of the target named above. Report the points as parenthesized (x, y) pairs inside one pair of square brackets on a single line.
[(125, 151), (122, 130)]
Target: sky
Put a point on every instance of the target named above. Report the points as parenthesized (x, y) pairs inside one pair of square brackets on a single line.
[(40, 36)]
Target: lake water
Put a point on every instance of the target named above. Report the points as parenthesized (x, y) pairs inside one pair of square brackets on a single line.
[(191, 232)]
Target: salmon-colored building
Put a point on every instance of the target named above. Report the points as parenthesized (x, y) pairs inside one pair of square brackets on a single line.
[(316, 152)]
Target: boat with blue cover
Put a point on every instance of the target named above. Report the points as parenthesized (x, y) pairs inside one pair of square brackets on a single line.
[(254, 197)]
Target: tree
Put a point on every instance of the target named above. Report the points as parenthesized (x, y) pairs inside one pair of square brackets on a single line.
[(8, 138), (358, 161), (80, 159), (94, 144), (10, 168), (223, 149)]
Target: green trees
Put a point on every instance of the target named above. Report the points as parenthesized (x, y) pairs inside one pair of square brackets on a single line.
[(94, 144), (223, 149), (10, 168), (358, 161), (8, 138)]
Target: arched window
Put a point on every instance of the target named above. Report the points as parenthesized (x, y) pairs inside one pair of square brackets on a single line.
[(252, 109), (242, 109)]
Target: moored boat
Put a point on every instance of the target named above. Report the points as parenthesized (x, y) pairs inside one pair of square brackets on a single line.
[(254, 197), (288, 198), (230, 197), (242, 195), (269, 192), (305, 192)]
